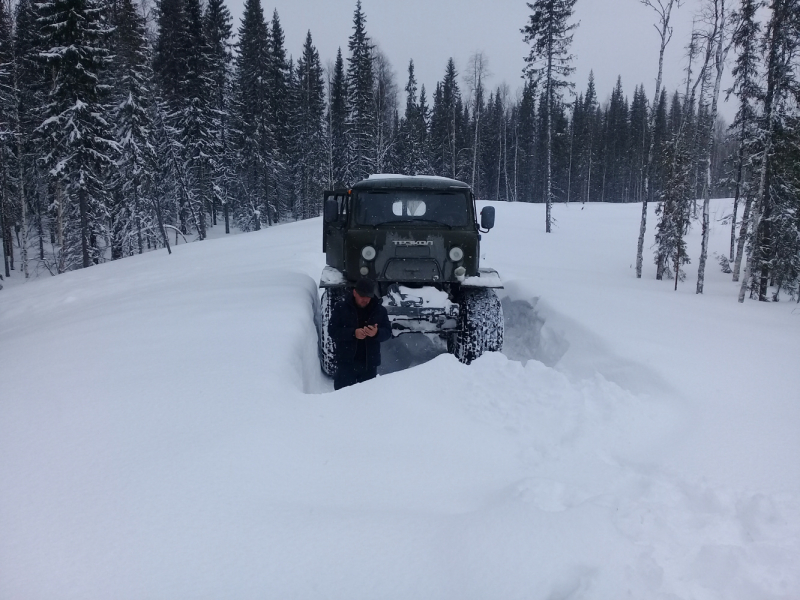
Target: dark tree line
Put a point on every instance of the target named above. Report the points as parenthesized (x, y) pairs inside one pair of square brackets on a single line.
[(118, 135)]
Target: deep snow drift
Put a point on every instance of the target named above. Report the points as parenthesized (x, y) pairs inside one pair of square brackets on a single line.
[(166, 432)]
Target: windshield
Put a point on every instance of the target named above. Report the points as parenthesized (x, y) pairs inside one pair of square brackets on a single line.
[(393, 206)]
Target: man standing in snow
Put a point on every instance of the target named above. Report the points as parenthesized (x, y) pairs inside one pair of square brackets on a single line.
[(359, 324)]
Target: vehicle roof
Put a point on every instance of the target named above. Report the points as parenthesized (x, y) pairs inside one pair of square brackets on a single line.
[(408, 182)]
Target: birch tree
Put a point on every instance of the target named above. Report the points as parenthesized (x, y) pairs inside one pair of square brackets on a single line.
[(718, 39), (477, 71), (663, 9)]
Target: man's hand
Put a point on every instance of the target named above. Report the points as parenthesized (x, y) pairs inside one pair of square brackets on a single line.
[(371, 330), (361, 334)]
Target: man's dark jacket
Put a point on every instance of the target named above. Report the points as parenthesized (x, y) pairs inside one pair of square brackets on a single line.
[(343, 325)]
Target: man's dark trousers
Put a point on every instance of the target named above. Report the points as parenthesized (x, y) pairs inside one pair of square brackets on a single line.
[(351, 374)]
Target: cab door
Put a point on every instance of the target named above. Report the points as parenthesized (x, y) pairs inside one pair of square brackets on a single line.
[(333, 231)]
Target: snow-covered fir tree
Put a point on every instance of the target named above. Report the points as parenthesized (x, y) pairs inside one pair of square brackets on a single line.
[(254, 133), (447, 133), (361, 117), (217, 23), (747, 88), (386, 115), (134, 209), (549, 33), (336, 123), (76, 136), (278, 106), (8, 139), (406, 142), (181, 66), (31, 90), (781, 44), (307, 126)]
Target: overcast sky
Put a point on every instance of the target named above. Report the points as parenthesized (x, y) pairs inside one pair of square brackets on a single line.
[(615, 37)]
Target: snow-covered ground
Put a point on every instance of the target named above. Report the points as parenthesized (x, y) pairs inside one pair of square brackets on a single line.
[(165, 432)]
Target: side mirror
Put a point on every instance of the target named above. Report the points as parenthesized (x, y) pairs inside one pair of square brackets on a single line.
[(331, 211), (487, 217)]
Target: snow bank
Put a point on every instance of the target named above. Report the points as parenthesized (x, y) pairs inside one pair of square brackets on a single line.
[(165, 432)]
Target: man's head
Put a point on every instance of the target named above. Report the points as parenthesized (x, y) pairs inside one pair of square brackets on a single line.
[(363, 292)]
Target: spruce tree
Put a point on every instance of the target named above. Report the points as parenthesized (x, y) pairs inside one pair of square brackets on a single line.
[(410, 145), (447, 125), (218, 30), (747, 89), (195, 122), (31, 89), (781, 44), (181, 63), (588, 142), (361, 121), (79, 146), (549, 33), (784, 263), (8, 138), (638, 140), (526, 144), (423, 115), (254, 131), (337, 122), (386, 120), (278, 105), (308, 126), (133, 211), (615, 148)]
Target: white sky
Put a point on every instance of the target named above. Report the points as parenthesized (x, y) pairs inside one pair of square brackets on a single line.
[(615, 37)]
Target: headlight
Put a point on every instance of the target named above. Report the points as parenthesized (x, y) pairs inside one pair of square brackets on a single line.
[(368, 252), (456, 254)]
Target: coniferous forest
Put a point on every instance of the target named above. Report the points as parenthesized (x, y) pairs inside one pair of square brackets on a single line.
[(124, 129)]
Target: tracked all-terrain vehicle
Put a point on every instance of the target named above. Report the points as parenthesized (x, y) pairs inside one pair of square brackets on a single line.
[(418, 239)]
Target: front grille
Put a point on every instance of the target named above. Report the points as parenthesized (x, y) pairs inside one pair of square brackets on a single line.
[(412, 251), (410, 269)]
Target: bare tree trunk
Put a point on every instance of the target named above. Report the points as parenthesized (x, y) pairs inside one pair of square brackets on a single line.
[(589, 176), (750, 259), (516, 161), (161, 227), (39, 223), (453, 141), (475, 146), (549, 119), (499, 162), (3, 231), (571, 145), (23, 254), (664, 10), (737, 265), (84, 214), (739, 169), (505, 153)]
